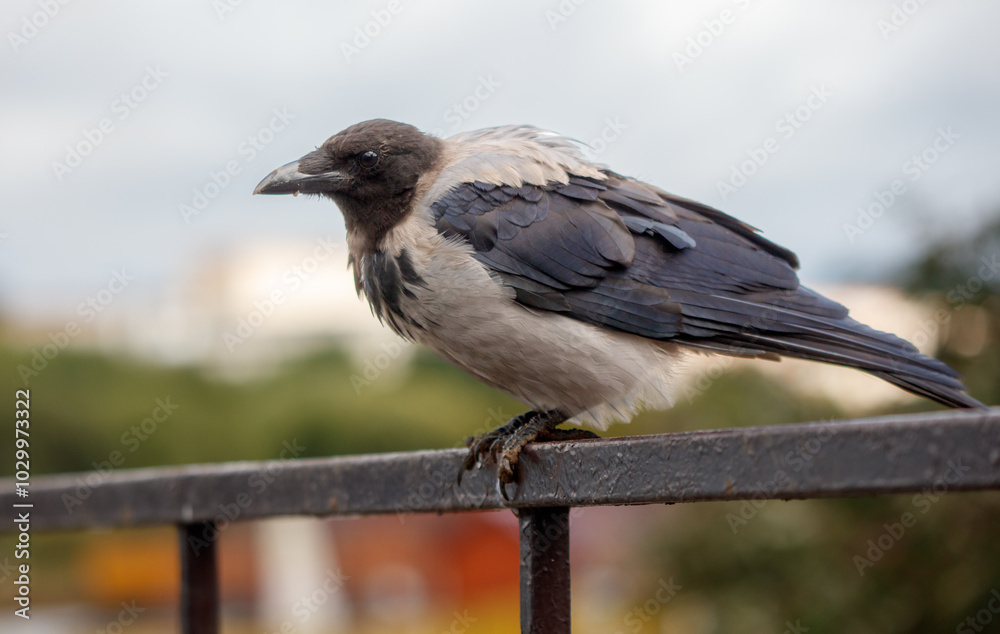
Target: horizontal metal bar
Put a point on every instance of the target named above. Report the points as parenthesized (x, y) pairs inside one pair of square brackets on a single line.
[(952, 450)]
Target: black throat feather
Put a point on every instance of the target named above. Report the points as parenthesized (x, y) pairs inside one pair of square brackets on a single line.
[(385, 281)]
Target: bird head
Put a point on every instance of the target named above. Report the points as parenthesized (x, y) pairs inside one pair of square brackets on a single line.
[(370, 170)]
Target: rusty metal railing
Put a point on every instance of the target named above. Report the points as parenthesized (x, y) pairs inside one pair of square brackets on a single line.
[(893, 454)]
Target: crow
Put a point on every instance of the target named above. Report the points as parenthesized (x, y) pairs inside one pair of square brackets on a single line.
[(570, 287)]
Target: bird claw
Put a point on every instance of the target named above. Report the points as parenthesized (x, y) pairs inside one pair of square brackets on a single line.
[(505, 476), (487, 444), (504, 444)]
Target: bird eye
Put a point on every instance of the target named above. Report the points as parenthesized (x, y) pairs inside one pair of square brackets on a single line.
[(368, 159)]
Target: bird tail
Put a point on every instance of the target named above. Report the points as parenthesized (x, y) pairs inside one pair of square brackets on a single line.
[(883, 355), (809, 326)]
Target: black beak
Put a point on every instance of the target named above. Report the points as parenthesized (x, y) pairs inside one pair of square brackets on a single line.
[(287, 179)]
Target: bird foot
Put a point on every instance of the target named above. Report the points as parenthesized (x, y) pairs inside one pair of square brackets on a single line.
[(505, 443)]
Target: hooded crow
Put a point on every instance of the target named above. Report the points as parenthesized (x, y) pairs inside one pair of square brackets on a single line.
[(572, 288)]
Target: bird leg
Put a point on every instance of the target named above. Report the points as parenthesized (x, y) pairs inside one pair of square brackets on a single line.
[(490, 442), (504, 444)]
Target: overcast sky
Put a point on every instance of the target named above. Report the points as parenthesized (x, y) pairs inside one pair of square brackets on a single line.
[(831, 99)]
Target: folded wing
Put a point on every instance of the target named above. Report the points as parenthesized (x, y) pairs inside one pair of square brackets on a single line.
[(625, 255)]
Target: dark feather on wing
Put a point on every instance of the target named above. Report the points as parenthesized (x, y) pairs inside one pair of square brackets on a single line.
[(625, 255)]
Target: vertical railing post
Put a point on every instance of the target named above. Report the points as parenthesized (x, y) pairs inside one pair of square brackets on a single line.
[(545, 604), (199, 579)]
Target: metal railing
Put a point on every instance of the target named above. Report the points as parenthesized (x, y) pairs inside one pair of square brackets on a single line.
[(893, 454)]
